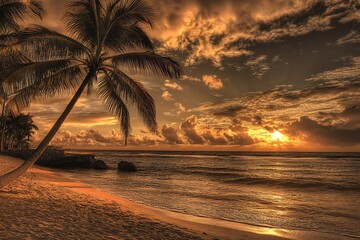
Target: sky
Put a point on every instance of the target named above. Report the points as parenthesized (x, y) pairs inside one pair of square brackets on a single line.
[(260, 75)]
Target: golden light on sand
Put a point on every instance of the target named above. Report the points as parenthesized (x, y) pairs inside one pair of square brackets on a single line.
[(277, 136)]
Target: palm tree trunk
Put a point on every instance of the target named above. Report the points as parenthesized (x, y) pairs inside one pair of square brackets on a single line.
[(3, 123), (18, 172)]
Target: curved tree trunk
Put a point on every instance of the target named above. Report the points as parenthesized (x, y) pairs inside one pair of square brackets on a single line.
[(3, 123), (18, 172)]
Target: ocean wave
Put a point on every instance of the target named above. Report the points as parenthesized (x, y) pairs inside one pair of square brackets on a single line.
[(288, 183), (214, 169), (218, 175)]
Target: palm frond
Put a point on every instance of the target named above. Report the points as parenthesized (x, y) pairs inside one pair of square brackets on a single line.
[(43, 43), (27, 73), (135, 94), (122, 39), (83, 20), (13, 10), (107, 91), (129, 12), (59, 82), (121, 14), (148, 62)]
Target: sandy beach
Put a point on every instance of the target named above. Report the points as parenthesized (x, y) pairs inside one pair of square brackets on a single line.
[(44, 204)]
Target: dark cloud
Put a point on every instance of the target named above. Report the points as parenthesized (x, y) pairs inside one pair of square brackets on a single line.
[(353, 37), (239, 135), (171, 135), (258, 120), (313, 132), (286, 101), (230, 111), (216, 30), (258, 65), (350, 72), (214, 139), (93, 135), (189, 128)]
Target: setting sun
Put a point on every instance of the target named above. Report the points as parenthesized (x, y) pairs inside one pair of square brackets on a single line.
[(277, 135)]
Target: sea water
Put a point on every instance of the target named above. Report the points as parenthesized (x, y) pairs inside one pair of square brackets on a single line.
[(304, 191)]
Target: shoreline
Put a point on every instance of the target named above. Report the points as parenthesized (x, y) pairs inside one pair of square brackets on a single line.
[(205, 228)]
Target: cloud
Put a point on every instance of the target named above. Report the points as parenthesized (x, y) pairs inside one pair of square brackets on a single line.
[(136, 140), (213, 82), (180, 107), (196, 131), (189, 126), (352, 114), (167, 96), (229, 111), (313, 132), (347, 118), (171, 135), (258, 65), (213, 30), (90, 137), (190, 78), (86, 138), (351, 38), (350, 72), (172, 85), (238, 134), (285, 104), (93, 135), (214, 139)]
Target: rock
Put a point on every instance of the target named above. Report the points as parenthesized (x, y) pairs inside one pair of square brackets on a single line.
[(126, 167), (100, 165)]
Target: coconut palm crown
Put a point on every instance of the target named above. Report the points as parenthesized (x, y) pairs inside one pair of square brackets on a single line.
[(106, 41)]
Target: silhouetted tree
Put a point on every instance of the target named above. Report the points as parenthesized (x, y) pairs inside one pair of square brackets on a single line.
[(19, 130), (11, 11), (106, 39)]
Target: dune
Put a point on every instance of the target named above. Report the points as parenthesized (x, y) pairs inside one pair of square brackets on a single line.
[(44, 204)]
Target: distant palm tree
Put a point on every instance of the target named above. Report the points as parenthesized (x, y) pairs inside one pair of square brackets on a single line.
[(105, 40), (19, 130), (11, 11)]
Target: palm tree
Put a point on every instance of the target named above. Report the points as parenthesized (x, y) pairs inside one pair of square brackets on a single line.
[(11, 11), (105, 41), (19, 130)]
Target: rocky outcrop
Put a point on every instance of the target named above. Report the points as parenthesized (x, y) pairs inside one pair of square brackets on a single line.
[(125, 166), (57, 158), (76, 161), (100, 165)]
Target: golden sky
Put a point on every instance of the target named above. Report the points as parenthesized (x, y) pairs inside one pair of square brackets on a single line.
[(260, 75)]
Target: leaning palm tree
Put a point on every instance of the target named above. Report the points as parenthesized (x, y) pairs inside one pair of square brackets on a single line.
[(11, 12), (106, 43), (4, 114)]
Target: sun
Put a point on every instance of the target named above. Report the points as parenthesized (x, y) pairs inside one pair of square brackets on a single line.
[(277, 135)]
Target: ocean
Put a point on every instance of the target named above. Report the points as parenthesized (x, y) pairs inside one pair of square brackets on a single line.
[(304, 191)]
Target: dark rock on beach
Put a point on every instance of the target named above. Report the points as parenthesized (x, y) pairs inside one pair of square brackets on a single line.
[(125, 166), (100, 165)]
